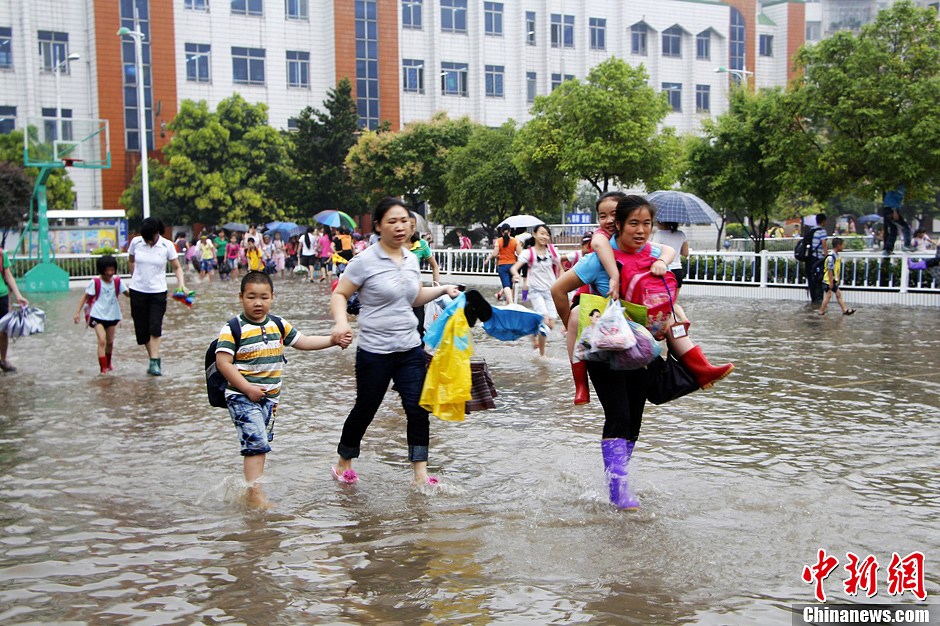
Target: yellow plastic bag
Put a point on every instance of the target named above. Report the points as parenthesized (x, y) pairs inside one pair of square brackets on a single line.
[(447, 384)]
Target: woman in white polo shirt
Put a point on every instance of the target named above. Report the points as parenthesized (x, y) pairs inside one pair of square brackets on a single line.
[(148, 254), (388, 280)]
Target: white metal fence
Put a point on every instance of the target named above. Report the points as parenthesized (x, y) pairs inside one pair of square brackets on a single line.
[(860, 270)]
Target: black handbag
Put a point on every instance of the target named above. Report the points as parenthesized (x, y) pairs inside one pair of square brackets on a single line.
[(668, 380)]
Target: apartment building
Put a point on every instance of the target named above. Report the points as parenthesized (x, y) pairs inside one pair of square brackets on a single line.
[(406, 59)]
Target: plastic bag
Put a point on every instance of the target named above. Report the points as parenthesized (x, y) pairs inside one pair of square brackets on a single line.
[(611, 331), (435, 330), (448, 381), (23, 321), (641, 354)]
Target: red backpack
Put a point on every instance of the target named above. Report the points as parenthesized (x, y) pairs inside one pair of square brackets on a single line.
[(657, 294), (86, 309)]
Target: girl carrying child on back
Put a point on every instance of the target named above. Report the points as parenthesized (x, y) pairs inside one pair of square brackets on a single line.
[(102, 310), (615, 210)]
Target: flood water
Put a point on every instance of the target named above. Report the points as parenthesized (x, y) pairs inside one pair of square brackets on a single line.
[(119, 499)]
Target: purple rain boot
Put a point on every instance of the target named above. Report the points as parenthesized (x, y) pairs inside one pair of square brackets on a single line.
[(617, 453)]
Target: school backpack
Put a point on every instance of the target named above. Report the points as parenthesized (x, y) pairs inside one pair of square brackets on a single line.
[(551, 249), (657, 294), (215, 381), (804, 247), (86, 309)]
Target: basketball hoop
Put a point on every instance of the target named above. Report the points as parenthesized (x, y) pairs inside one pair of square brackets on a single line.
[(69, 162)]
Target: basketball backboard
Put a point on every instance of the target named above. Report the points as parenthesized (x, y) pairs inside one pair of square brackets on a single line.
[(73, 142)]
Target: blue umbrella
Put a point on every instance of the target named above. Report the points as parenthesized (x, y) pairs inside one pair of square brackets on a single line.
[(871, 217), (285, 228), (335, 219), (682, 208)]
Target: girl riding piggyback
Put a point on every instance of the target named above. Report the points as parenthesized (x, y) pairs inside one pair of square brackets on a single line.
[(638, 273)]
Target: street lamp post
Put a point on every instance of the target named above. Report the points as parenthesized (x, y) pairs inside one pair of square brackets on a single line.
[(741, 75), (58, 94), (141, 112)]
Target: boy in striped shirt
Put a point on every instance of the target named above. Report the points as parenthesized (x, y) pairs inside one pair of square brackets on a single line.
[(252, 366)]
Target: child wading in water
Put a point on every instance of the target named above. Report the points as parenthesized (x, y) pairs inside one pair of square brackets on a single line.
[(654, 258), (103, 311), (833, 272), (252, 365)]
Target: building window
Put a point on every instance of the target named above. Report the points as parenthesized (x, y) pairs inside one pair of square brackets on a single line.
[(197, 62), (454, 79), (53, 49), (493, 18), (672, 42), (196, 5), (638, 38), (531, 87), (132, 130), (296, 9), (493, 76), (703, 99), (293, 124), (562, 31), (766, 45), (298, 69), (411, 13), (454, 16), (248, 66), (703, 46), (248, 7), (557, 80), (598, 27), (7, 120), (737, 38), (530, 27), (813, 31), (50, 122), (6, 47), (674, 92), (413, 75), (367, 64)]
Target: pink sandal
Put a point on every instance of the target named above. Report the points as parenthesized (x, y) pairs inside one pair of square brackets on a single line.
[(348, 477)]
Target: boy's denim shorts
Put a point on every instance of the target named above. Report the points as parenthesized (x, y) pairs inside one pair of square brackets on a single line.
[(254, 422)]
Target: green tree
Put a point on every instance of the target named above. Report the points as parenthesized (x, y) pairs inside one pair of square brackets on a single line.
[(604, 130), (483, 185), (865, 111), (411, 163), (736, 164), (15, 191), (220, 166), (319, 179), (59, 187)]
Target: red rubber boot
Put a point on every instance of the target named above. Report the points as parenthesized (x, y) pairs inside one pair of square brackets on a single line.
[(705, 373), (582, 394)]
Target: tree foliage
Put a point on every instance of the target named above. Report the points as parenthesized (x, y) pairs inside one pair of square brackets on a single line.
[(59, 187), (483, 184), (604, 130), (318, 178), (411, 163), (15, 192), (864, 113), (737, 165), (220, 166)]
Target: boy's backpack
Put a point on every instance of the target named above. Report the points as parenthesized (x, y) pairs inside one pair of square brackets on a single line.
[(804, 247), (86, 309), (215, 381), (657, 294)]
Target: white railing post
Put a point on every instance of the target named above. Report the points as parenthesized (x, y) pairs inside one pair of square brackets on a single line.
[(764, 267), (905, 275)]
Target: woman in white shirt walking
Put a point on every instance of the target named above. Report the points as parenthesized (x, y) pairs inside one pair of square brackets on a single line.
[(668, 233), (148, 254)]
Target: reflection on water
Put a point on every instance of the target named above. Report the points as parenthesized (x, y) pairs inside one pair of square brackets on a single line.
[(119, 492)]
